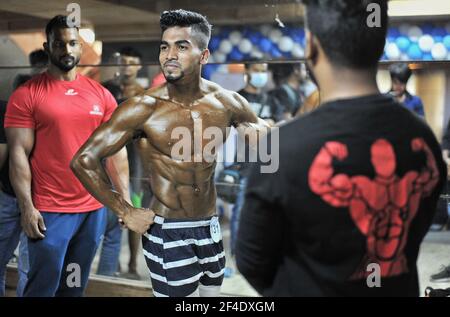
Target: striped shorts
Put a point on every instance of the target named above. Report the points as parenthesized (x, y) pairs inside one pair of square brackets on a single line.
[(183, 258)]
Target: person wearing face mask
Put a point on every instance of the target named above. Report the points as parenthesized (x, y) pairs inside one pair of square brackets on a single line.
[(256, 77), (400, 74), (358, 181)]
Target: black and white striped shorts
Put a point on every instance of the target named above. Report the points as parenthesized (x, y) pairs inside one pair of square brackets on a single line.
[(181, 256)]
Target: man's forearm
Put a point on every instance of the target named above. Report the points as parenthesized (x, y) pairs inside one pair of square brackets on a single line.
[(92, 175), (20, 175), (250, 133), (118, 171)]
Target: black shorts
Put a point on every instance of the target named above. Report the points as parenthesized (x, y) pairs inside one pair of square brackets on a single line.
[(181, 255)]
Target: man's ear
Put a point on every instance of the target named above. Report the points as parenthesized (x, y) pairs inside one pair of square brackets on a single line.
[(205, 57), (312, 47), (45, 45)]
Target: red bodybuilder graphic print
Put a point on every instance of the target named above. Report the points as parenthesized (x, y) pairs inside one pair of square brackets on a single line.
[(382, 208)]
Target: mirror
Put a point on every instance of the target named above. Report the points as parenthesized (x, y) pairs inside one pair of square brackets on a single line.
[(257, 32), (430, 81)]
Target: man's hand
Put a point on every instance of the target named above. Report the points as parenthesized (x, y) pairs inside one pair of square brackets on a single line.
[(138, 220), (33, 223)]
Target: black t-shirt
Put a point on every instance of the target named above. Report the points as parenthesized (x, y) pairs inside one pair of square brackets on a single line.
[(358, 177), (285, 99), (259, 103), (4, 172)]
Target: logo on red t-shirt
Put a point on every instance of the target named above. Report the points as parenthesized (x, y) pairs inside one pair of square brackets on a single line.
[(71, 92), (96, 111)]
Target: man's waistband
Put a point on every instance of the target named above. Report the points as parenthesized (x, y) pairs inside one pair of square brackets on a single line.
[(167, 223)]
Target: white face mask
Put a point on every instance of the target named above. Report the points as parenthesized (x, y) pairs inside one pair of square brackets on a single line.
[(258, 80)]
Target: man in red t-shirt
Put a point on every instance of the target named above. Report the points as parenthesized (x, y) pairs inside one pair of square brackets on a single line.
[(47, 120)]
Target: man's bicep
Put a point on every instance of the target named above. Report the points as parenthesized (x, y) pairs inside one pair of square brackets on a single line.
[(242, 112), (109, 138), (20, 139), (114, 134)]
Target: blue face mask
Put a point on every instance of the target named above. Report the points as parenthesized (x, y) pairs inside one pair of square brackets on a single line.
[(258, 80)]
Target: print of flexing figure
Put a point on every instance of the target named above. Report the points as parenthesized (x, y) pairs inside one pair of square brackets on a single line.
[(383, 207)]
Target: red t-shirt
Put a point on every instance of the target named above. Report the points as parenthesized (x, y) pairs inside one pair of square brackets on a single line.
[(63, 114)]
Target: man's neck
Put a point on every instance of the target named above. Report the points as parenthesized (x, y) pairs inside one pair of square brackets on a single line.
[(58, 74), (342, 83), (185, 91)]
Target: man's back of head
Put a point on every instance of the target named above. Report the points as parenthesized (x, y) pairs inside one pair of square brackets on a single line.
[(343, 30)]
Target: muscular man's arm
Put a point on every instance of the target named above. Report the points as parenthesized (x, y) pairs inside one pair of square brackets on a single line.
[(243, 115), (20, 143), (245, 121), (119, 173), (107, 140)]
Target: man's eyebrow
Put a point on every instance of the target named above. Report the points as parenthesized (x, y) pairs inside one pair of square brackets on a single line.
[(183, 42), (176, 43)]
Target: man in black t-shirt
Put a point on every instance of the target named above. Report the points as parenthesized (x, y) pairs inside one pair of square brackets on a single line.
[(256, 78), (346, 212)]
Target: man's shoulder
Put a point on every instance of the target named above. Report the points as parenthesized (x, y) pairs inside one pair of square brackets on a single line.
[(227, 97), (210, 87), (145, 101), (85, 80)]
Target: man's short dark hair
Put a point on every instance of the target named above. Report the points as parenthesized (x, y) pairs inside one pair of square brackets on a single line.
[(38, 58), (282, 71), (57, 22), (129, 51), (400, 71), (343, 32), (251, 62), (182, 18)]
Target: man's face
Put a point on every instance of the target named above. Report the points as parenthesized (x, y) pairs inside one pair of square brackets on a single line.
[(398, 87), (179, 54), (130, 66), (64, 48), (257, 75)]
